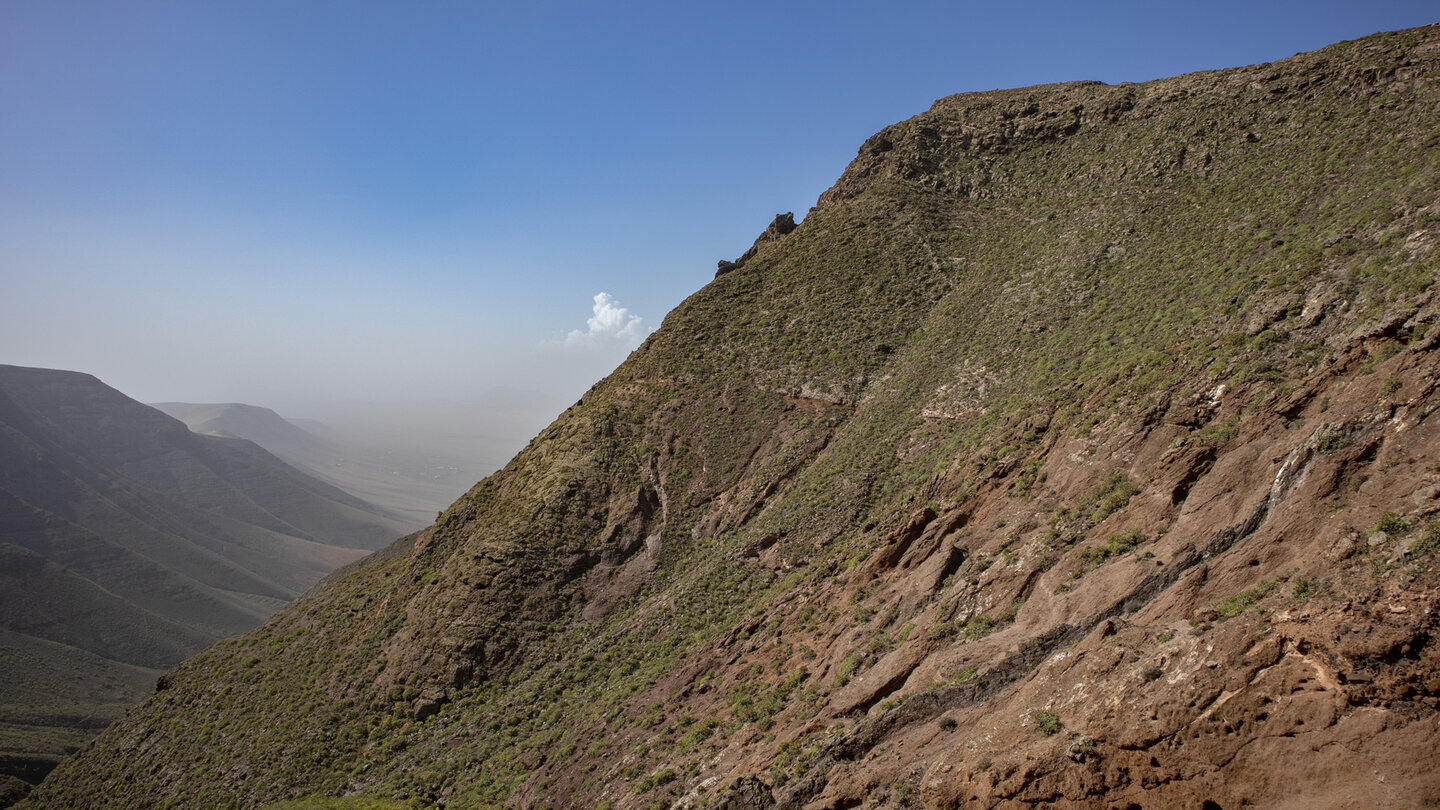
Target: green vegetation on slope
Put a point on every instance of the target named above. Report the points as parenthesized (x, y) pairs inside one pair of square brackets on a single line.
[(1002, 270)]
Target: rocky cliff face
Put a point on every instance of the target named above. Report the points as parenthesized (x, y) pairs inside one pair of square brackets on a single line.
[(1078, 448)]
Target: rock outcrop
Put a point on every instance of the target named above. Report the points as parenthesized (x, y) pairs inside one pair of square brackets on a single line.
[(781, 225)]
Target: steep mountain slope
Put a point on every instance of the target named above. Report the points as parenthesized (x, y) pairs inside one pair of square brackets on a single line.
[(413, 484), (128, 543), (1079, 447)]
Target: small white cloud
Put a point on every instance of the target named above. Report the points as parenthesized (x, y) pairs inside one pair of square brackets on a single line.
[(611, 324)]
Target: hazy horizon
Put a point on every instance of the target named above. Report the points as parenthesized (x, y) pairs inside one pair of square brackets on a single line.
[(385, 215)]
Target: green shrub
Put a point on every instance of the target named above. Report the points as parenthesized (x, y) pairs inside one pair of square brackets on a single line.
[(1428, 542), (1046, 722), (664, 776), (1328, 441), (942, 630), (1391, 523), (978, 627), (1222, 432), (1027, 478), (1112, 495), (1115, 545), (1236, 604)]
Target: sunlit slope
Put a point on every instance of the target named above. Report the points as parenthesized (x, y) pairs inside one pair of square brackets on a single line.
[(1042, 463)]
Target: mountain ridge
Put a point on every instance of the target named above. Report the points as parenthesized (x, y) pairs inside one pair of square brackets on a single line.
[(1056, 388)]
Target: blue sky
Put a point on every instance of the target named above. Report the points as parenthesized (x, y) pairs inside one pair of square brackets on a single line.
[(347, 208)]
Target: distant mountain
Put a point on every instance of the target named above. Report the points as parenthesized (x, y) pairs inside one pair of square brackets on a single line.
[(412, 479), (128, 542), (263, 426)]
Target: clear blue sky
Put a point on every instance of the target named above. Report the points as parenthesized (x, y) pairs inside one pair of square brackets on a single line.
[(332, 205)]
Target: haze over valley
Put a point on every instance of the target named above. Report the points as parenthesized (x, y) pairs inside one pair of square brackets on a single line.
[(413, 473)]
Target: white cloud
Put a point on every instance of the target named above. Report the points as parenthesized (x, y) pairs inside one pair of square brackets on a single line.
[(611, 325)]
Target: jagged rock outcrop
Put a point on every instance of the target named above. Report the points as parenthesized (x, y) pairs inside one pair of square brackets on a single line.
[(781, 225), (1080, 448)]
